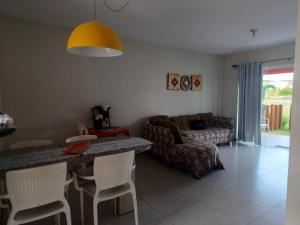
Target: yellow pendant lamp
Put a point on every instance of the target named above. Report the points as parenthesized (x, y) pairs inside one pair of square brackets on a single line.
[(95, 39)]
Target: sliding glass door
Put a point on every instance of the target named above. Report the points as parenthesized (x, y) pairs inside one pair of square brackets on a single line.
[(276, 106)]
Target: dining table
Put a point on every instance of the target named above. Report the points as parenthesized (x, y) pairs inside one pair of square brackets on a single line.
[(16, 159)]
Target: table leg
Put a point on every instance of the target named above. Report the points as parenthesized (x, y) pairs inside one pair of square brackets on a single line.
[(114, 205), (1, 216), (1, 144)]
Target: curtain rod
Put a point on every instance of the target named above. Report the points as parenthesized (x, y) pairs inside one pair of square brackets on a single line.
[(267, 61)]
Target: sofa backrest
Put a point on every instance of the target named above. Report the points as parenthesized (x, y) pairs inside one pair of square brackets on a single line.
[(181, 122), (184, 122), (208, 118), (154, 119)]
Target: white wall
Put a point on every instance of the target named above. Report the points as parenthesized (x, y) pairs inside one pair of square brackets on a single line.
[(293, 193), (230, 75), (47, 90)]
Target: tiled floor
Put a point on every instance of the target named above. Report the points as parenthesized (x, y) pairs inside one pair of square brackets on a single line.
[(269, 139), (250, 191)]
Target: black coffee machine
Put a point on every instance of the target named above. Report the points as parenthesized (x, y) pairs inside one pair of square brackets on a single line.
[(101, 118)]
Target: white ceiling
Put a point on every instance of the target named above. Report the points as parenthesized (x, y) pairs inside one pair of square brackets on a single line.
[(213, 26)]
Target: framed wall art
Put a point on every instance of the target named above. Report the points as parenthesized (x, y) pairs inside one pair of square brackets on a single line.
[(185, 83), (173, 82), (197, 82)]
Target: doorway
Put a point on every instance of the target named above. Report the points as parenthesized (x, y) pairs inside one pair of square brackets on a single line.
[(277, 90)]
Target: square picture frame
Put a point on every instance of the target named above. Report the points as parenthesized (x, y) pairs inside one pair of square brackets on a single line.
[(173, 82), (197, 82)]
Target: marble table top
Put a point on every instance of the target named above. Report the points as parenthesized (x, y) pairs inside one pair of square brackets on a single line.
[(32, 157)]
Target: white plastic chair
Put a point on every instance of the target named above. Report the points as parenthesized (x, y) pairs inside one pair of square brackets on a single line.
[(31, 143), (37, 193), (83, 130), (111, 179), (265, 124), (81, 138)]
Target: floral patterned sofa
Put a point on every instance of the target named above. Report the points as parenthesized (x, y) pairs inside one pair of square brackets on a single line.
[(194, 153), (220, 130)]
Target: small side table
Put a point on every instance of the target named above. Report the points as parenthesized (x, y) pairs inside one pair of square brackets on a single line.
[(113, 132)]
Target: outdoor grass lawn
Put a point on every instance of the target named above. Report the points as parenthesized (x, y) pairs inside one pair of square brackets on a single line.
[(281, 132)]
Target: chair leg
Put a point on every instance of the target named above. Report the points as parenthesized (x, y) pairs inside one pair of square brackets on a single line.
[(115, 206), (133, 193), (82, 207), (67, 211), (68, 218), (95, 207), (11, 220), (11, 223), (1, 215), (57, 219)]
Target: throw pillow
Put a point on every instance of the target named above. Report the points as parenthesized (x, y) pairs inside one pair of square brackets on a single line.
[(198, 125), (208, 118)]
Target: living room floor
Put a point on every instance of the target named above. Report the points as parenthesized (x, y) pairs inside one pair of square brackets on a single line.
[(251, 190)]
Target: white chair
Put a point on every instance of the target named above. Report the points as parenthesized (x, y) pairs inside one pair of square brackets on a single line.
[(83, 130), (31, 143), (265, 124), (81, 138), (111, 179), (37, 193)]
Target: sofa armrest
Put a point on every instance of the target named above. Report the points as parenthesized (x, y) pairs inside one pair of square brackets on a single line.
[(159, 135), (224, 122)]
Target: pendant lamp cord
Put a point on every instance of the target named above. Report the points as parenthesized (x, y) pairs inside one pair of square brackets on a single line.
[(114, 9), (95, 10)]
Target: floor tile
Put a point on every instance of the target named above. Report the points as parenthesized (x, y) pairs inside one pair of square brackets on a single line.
[(161, 221), (240, 209), (199, 214), (273, 217), (168, 200), (145, 212), (262, 193)]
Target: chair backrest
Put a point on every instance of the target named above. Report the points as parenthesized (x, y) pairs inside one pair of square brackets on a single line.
[(113, 170), (31, 143), (81, 138), (264, 119), (29, 188), (83, 130)]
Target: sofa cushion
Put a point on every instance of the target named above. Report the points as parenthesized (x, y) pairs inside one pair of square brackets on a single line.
[(210, 135), (198, 124), (173, 127)]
